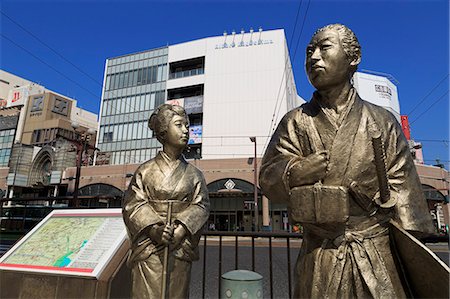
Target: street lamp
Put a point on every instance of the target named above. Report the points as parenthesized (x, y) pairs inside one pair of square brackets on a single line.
[(255, 186), (81, 143)]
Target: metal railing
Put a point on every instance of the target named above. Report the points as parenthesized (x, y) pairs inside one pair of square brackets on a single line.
[(188, 73), (241, 241)]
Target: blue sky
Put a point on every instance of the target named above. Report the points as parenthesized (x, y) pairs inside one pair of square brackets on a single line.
[(407, 39)]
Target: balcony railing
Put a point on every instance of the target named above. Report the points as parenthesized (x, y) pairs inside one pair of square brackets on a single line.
[(188, 73)]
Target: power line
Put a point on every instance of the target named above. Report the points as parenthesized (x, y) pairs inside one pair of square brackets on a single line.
[(65, 59), (440, 98), (50, 66), (293, 58), (275, 113), (120, 99), (424, 98), (284, 72), (52, 49), (431, 140)]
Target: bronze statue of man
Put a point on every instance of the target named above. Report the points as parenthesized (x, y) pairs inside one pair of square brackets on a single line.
[(322, 161), (165, 187)]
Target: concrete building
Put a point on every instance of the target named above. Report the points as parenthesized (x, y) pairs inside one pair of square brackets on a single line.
[(37, 136), (233, 87)]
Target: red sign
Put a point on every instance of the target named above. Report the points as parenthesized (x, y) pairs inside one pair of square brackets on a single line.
[(405, 126), (16, 96)]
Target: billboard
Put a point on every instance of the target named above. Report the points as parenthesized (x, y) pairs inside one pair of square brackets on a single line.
[(195, 134), (17, 96), (378, 90)]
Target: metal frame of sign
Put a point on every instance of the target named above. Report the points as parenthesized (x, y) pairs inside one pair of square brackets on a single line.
[(88, 272)]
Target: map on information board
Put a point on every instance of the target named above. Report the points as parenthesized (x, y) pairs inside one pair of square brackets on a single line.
[(69, 241)]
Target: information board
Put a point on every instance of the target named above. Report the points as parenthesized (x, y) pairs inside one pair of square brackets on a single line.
[(75, 242)]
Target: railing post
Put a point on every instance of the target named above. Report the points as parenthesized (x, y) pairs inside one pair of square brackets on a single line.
[(271, 271), (220, 265), (236, 248), (288, 246), (253, 253), (204, 267)]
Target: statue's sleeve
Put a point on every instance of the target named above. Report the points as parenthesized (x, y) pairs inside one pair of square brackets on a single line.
[(282, 152), (137, 212), (196, 214), (411, 209)]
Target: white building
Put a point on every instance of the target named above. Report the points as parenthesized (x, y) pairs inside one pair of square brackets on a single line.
[(378, 89), (232, 86)]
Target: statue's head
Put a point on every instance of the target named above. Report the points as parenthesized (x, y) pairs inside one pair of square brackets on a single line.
[(170, 124), (332, 56)]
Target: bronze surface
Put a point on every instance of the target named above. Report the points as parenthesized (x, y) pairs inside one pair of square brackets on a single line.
[(321, 162), (165, 180)]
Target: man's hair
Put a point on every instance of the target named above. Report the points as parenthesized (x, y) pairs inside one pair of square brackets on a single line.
[(161, 117), (349, 41)]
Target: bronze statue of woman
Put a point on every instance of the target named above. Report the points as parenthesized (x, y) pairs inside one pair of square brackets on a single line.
[(165, 180)]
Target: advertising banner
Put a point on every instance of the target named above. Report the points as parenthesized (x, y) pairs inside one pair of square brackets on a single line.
[(195, 134)]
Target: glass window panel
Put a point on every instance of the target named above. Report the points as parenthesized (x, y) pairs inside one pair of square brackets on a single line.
[(113, 82), (139, 134), (107, 82), (123, 104), (125, 83), (135, 130), (142, 105), (139, 79), (147, 102), (154, 74), (152, 101), (115, 131), (121, 75), (165, 72), (137, 103), (160, 68), (102, 130), (130, 104), (127, 104), (149, 75), (124, 131), (120, 133), (135, 78)]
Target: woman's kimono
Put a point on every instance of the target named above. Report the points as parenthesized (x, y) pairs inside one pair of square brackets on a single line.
[(146, 201), (349, 258)]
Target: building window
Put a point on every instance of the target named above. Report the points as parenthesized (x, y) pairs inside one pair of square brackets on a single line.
[(108, 137), (36, 138)]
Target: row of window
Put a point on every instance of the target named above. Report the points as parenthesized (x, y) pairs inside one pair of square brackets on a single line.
[(140, 102), (139, 56), (44, 135), (133, 156), (7, 138), (147, 75), (4, 156), (126, 131)]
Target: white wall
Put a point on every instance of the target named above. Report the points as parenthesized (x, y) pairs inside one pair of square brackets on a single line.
[(378, 90), (240, 91)]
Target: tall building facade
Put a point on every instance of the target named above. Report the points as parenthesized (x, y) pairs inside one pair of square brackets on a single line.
[(37, 136), (231, 87)]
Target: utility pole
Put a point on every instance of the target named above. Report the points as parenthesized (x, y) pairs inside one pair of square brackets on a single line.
[(255, 186)]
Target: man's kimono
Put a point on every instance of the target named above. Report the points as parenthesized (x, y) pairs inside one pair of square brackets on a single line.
[(146, 202), (349, 258)]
